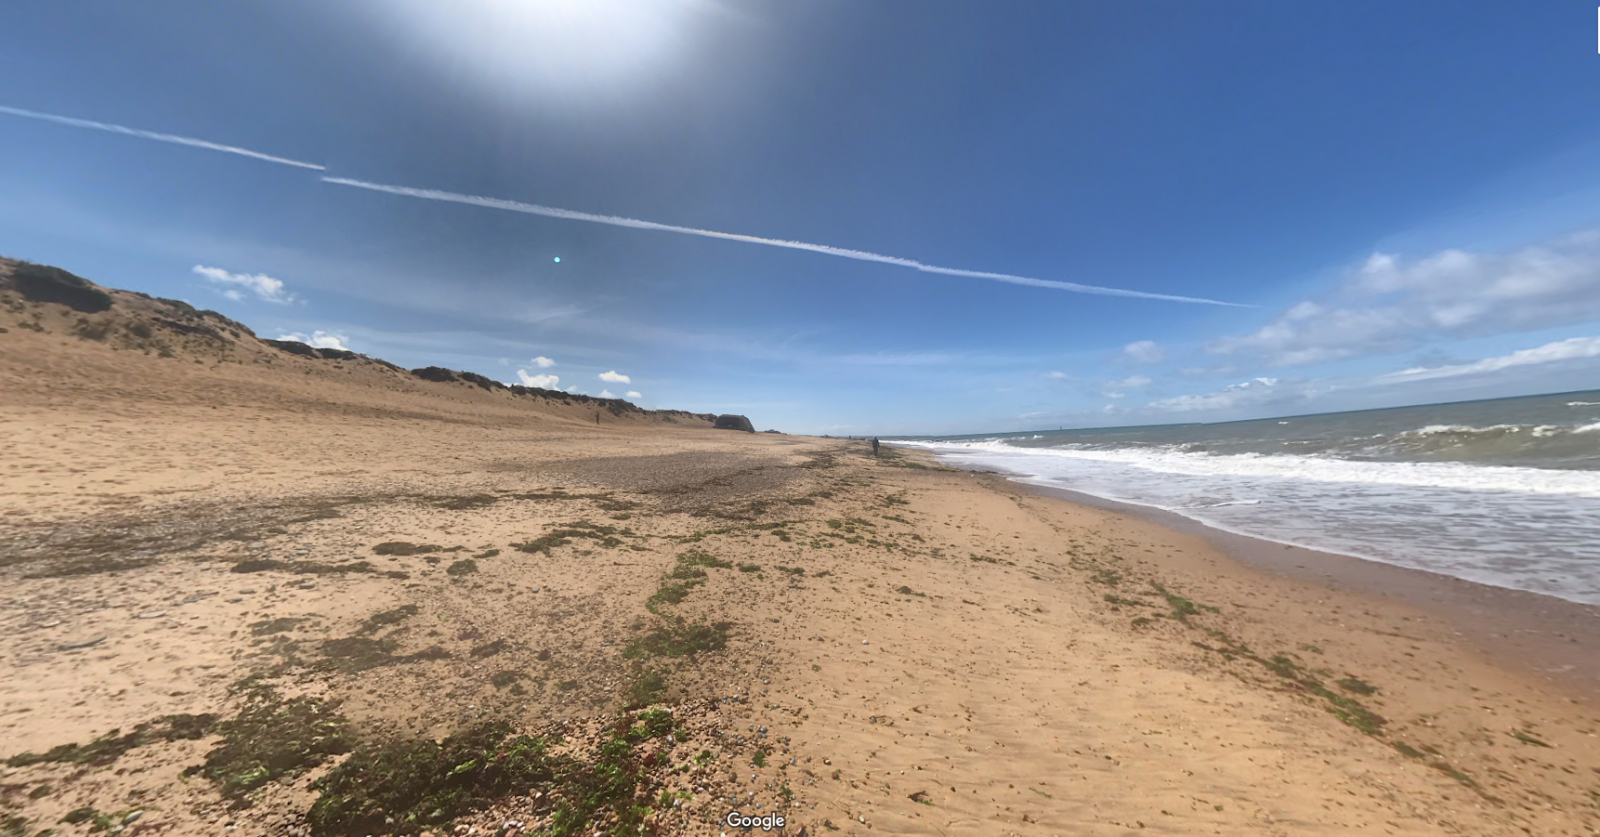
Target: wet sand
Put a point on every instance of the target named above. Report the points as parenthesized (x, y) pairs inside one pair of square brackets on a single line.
[(1547, 637)]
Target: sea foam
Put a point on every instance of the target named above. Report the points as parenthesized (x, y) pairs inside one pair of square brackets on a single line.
[(1452, 475), (1526, 528)]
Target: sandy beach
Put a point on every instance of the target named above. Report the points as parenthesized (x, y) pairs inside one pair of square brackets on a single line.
[(1542, 636), (252, 592)]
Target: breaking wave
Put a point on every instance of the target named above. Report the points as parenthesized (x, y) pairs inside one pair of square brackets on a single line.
[(1526, 528), (1494, 443), (1460, 476)]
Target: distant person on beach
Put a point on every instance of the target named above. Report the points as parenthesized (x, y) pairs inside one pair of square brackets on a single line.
[(874, 445)]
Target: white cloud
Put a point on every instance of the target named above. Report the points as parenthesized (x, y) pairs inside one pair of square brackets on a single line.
[(542, 362), (1144, 351), (1131, 382), (1249, 393), (1577, 348), (606, 393), (1390, 305), (632, 394), (263, 286), (1058, 376), (540, 381), (614, 378), (319, 340)]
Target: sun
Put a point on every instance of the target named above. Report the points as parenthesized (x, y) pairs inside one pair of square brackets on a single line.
[(553, 48)]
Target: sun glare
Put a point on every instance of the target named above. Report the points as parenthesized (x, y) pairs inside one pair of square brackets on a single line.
[(558, 48)]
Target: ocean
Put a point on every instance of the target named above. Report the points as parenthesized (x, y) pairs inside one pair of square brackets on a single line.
[(1503, 492)]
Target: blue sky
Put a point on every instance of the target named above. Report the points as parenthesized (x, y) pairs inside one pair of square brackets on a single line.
[(1402, 199)]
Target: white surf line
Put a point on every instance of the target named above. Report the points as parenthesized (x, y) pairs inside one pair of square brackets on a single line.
[(634, 223), (158, 137)]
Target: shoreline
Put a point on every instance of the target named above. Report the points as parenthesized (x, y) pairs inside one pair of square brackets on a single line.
[(1545, 636)]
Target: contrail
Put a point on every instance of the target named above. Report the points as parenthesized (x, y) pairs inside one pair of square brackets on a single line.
[(613, 220), (152, 135), (634, 223)]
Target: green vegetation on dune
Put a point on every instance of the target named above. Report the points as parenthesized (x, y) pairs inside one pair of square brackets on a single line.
[(384, 619), (649, 685), (282, 624), (272, 738), (1182, 608), (679, 639), (685, 575), (699, 558), (111, 746), (400, 787), (355, 654), (669, 593), (259, 565), (42, 283), (404, 548), (406, 786), (607, 536)]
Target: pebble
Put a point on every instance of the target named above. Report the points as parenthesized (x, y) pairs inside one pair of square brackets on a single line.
[(83, 643), (154, 614), (132, 818)]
